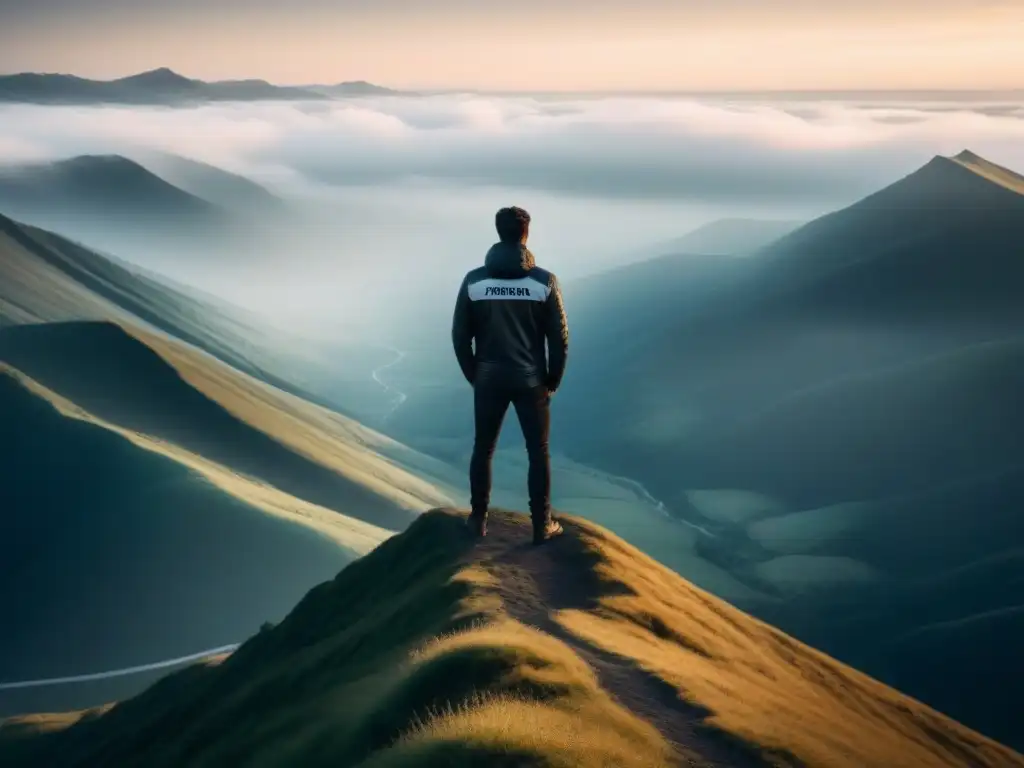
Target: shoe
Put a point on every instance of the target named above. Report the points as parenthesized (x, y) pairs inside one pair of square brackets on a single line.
[(477, 525), (548, 530)]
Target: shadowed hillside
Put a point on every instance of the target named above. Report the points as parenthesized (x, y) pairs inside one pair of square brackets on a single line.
[(47, 278), (104, 348), (112, 555), (164, 390), (430, 651), (213, 184), (862, 374), (725, 237), (964, 393), (111, 203), (110, 185)]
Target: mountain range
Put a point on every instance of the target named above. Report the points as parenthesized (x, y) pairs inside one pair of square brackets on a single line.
[(162, 211), (162, 86)]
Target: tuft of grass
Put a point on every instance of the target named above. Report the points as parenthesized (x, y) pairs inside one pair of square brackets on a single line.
[(510, 731)]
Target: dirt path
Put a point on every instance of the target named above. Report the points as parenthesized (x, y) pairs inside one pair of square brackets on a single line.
[(536, 582)]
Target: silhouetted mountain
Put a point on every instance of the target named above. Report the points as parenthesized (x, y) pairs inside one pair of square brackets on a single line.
[(871, 355), (159, 86), (113, 204), (223, 188), (921, 268), (432, 651), (354, 88), (89, 185)]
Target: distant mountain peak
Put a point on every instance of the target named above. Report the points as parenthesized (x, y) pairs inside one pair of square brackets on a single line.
[(359, 88), (107, 159), (991, 172), (964, 181), (160, 77), (97, 163), (969, 157)]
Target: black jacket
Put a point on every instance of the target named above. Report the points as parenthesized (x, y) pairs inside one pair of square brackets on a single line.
[(510, 307)]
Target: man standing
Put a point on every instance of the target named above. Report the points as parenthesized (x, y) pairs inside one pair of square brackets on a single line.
[(510, 307)]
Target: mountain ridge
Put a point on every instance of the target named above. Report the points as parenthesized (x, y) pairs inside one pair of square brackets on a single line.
[(966, 180), (162, 389), (163, 86), (576, 654), (987, 169), (209, 182)]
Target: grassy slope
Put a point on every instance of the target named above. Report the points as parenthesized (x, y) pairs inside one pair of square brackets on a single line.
[(430, 652), (47, 278), (113, 543), (350, 533), (174, 394)]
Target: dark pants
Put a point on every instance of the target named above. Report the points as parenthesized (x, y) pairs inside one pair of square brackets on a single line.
[(532, 404)]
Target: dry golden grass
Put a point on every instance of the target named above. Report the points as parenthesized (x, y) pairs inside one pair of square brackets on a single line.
[(1004, 177), (539, 711), (354, 535), (323, 436), (305, 460), (435, 651), (33, 291), (759, 683)]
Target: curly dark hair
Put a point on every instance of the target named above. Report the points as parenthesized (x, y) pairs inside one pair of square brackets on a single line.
[(512, 223)]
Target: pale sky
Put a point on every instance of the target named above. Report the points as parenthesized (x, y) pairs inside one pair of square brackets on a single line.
[(531, 44)]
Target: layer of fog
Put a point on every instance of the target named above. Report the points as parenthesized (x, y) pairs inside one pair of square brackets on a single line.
[(394, 196)]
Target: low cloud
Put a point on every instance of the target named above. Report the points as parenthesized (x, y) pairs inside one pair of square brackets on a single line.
[(639, 148), (400, 191)]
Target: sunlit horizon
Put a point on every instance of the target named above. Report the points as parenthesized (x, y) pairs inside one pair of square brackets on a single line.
[(649, 46)]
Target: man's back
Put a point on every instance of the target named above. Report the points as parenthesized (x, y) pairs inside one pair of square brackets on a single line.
[(511, 307)]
